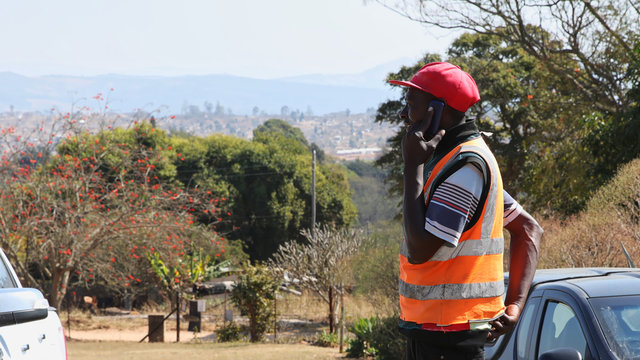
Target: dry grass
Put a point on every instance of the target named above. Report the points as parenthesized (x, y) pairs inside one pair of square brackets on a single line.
[(171, 351), (595, 236), (311, 307), (300, 319), (83, 320)]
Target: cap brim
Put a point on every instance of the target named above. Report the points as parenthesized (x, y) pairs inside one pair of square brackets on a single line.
[(406, 83)]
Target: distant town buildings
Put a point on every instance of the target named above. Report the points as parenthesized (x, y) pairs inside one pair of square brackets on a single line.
[(343, 135)]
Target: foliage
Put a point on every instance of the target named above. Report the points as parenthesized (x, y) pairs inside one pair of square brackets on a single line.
[(376, 267), (320, 263), (254, 294), (269, 182), (613, 140), (273, 127), (326, 339), (370, 193), (190, 267), (377, 337), (361, 346), (595, 236), (535, 119), (387, 340), (92, 210), (229, 332)]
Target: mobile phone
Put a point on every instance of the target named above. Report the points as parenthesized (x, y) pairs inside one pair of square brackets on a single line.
[(438, 106)]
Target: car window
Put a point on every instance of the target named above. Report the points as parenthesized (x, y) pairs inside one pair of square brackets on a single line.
[(561, 329), (525, 328), (6, 280)]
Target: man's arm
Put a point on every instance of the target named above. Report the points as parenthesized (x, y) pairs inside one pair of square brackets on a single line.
[(421, 244), (416, 150), (526, 235)]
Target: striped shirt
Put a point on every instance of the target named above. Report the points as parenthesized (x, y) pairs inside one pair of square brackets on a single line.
[(454, 203)]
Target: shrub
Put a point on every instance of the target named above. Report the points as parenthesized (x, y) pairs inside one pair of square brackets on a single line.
[(253, 294), (377, 337), (387, 340), (595, 236), (229, 332), (326, 339), (361, 346)]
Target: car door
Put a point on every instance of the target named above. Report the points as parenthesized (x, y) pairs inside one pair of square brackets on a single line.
[(562, 325), (517, 344)]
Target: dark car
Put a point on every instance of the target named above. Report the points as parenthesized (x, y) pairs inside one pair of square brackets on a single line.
[(580, 313)]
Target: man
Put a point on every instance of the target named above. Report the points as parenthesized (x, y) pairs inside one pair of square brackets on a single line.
[(451, 280)]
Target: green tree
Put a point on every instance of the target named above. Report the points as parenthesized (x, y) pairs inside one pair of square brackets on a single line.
[(535, 118), (272, 127), (269, 182), (370, 194), (614, 140)]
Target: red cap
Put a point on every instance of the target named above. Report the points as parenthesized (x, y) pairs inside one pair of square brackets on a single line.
[(445, 81)]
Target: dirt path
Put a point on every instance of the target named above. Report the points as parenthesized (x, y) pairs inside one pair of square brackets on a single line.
[(135, 334)]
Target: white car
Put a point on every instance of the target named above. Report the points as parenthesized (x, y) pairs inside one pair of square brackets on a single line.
[(29, 327)]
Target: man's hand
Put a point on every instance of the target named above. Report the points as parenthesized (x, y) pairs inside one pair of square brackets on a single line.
[(416, 149), (504, 323)]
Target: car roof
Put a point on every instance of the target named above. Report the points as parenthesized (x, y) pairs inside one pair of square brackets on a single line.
[(616, 284), (595, 281)]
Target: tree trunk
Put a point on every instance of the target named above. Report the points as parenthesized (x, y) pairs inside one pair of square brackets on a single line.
[(58, 288), (253, 324)]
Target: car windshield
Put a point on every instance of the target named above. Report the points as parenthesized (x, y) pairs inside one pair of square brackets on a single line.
[(619, 318), (6, 280)]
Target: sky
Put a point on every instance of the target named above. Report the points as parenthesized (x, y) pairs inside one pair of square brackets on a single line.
[(262, 39)]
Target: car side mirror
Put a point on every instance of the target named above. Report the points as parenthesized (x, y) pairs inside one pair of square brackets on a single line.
[(561, 354), (20, 305)]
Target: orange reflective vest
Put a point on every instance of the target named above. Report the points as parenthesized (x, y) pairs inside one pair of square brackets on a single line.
[(464, 283)]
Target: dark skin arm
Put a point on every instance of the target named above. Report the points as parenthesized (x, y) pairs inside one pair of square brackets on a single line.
[(526, 235), (416, 150)]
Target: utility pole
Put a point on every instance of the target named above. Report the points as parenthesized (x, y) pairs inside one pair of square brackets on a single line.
[(313, 193)]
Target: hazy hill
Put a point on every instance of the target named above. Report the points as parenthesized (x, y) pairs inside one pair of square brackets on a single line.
[(323, 94)]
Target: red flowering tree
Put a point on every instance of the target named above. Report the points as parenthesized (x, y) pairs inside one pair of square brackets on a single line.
[(99, 207)]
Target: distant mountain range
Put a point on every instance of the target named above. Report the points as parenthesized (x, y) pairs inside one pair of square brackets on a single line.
[(321, 93)]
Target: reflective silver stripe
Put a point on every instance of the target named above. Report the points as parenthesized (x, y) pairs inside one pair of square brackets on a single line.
[(470, 248), (451, 291), (465, 248)]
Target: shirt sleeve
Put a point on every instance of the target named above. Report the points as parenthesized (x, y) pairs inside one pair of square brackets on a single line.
[(454, 203), (511, 208)]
